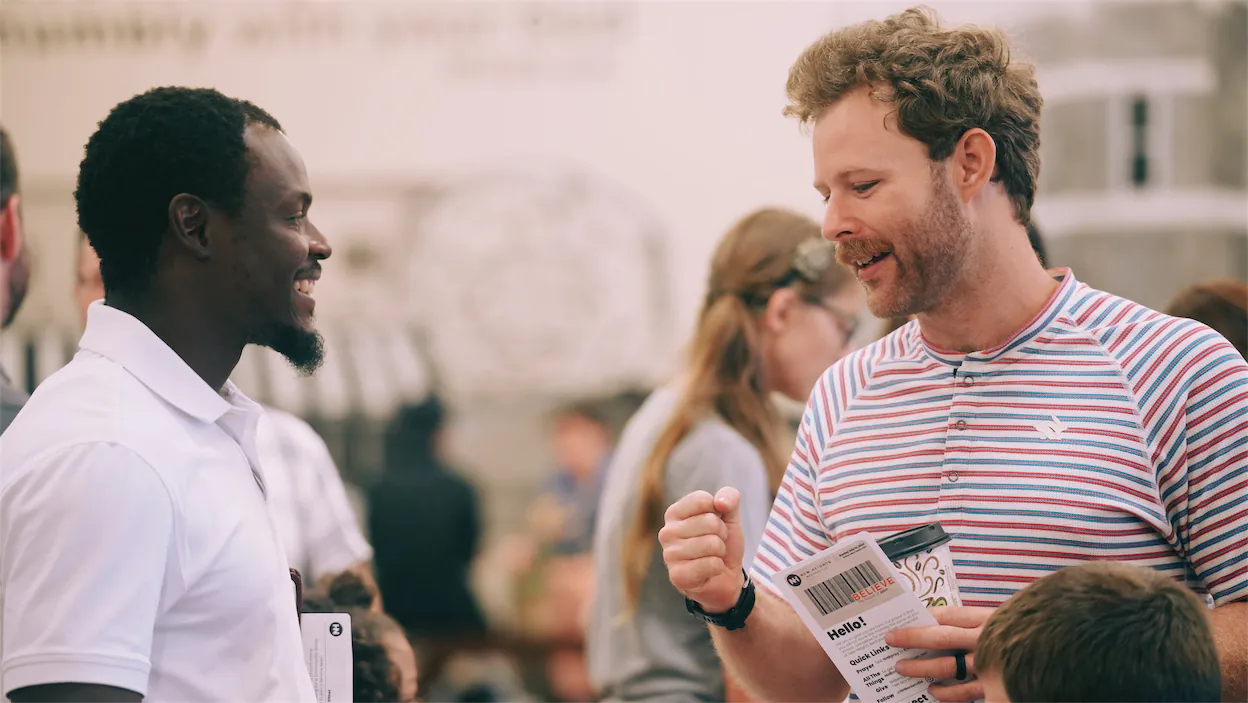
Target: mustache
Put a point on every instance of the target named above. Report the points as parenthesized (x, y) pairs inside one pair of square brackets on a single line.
[(851, 250)]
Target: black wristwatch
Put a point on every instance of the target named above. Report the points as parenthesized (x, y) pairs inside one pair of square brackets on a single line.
[(734, 618)]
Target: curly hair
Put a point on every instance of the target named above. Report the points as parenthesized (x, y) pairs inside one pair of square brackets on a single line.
[(149, 149), (943, 83), (376, 677)]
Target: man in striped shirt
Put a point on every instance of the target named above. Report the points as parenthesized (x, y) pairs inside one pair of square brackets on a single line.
[(1041, 422)]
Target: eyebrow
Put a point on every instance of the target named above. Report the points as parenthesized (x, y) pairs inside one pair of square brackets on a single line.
[(846, 174)]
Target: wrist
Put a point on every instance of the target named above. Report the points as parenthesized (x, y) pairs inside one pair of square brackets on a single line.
[(734, 617), (722, 606)]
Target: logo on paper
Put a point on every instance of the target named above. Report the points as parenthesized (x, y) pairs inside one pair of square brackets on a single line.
[(335, 628), (1051, 430), (795, 580)]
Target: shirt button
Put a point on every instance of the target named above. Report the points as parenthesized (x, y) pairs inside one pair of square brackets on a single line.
[(953, 476), (960, 425), (968, 381)]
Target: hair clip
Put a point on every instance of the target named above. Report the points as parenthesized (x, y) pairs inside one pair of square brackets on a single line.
[(813, 257)]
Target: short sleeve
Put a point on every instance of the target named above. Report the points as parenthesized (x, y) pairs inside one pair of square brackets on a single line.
[(85, 537), (1201, 444), (794, 530)]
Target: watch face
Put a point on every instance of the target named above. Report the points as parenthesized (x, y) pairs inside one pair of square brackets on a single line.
[(541, 282)]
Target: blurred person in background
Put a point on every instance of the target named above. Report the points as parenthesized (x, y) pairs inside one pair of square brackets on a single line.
[(385, 668), (14, 268), (424, 520), (320, 534), (137, 556), (1221, 304), (778, 311)]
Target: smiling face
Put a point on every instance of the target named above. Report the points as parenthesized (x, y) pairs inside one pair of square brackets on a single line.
[(270, 252), (896, 220)]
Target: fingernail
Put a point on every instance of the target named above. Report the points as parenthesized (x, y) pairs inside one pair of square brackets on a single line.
[(890, 639)]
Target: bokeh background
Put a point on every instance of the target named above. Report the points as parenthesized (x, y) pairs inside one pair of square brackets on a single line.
[(523, 197)]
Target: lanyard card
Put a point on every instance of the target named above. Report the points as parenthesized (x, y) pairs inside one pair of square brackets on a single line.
[(327, 650), (850, 596)]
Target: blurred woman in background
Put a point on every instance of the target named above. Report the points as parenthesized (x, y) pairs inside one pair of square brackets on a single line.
[(778, 311)]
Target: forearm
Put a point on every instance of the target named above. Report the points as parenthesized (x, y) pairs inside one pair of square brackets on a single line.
[(1230, 632), (774, 656)]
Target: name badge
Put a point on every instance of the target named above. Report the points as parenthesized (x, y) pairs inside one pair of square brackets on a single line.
[(327, 651)]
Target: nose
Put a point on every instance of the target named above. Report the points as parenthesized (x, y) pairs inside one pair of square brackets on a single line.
[(318, 247), (836, 222)]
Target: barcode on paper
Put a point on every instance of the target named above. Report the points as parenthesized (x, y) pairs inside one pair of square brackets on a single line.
[(837, 592)]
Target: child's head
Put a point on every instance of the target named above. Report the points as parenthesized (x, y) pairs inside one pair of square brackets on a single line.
[(385, 664), (1100, 631)]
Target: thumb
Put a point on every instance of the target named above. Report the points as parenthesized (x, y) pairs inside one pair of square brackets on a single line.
[(728, 505)]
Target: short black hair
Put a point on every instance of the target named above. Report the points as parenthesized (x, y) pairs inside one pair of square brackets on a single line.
[(148, 149), (8, 169)]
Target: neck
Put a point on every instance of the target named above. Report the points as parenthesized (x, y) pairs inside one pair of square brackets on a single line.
[(1004, 289), (211, 351)]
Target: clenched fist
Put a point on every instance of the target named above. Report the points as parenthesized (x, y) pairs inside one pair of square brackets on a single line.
[(703, 547)]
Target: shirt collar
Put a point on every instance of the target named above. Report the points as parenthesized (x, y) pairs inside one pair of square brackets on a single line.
[(122, 338), (1056, 307)]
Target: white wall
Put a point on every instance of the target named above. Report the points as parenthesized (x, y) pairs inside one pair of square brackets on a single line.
[(677, 102)]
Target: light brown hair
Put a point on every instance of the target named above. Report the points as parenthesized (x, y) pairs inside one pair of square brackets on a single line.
[(1113, 632), (1221, 304), (764, 252), (943, 83)]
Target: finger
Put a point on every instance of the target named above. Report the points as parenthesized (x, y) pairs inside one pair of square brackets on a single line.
[(934, 667), (958, 693), (696, 548), (964, 616), (728, 504), (695, 503), (935, 637), (691, 575), (689, 528)]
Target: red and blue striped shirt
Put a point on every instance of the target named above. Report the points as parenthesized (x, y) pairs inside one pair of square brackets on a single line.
[(1101, 430)]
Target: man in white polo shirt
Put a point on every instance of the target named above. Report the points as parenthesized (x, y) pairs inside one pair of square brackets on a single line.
[(1043, 423), (137, 559)]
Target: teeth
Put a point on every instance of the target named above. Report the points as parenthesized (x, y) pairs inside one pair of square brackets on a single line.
[(305, 286)]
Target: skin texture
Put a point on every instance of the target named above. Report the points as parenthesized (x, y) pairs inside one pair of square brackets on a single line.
[(223, 282)]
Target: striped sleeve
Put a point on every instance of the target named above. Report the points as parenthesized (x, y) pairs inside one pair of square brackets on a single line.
[(1196, 414), (794, 530)]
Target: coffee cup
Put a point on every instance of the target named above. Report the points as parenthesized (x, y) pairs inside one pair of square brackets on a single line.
[(922, 558)]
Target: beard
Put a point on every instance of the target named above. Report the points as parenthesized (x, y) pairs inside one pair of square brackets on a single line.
[(303, 349), (937, 256)]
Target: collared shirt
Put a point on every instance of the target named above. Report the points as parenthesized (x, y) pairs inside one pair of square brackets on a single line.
[(1101, 430), (307, 498), (136, 550), (12, 399)]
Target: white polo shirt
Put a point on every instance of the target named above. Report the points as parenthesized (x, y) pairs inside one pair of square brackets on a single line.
[(135, 547)]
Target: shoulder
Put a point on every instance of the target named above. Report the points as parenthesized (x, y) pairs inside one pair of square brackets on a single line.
[(1147, 344), (90, 400), (286, 426), (86, 473)]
